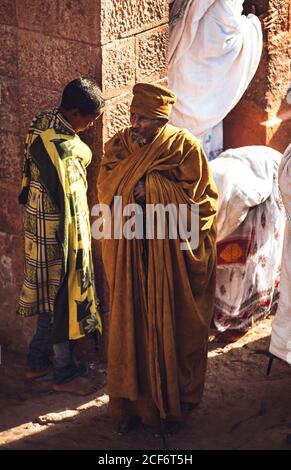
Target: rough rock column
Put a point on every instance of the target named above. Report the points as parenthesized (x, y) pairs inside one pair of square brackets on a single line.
[(263, 115), (133, 47)]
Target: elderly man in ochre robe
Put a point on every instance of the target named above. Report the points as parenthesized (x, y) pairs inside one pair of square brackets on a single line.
[(161, 296)]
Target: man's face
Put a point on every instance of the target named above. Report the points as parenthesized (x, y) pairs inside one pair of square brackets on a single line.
[(144, 129)]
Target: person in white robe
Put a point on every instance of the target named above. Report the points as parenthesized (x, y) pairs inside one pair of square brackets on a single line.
[(280, 345), (214, 52), (250, 229)]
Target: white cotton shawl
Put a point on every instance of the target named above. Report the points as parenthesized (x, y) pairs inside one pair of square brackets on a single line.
[(214, 52), (281, 329), (244, 179)]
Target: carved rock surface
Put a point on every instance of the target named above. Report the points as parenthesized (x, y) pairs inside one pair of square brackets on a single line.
[(121, 19)]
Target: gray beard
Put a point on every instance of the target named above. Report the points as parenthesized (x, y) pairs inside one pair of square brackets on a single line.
[(140, 140)]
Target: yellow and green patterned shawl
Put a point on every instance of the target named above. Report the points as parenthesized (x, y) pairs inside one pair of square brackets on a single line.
[(61, 160)]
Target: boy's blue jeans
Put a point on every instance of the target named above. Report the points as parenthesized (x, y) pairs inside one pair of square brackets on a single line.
[(41, 349)]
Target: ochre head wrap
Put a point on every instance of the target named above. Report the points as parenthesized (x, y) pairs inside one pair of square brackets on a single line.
[(152, 101)]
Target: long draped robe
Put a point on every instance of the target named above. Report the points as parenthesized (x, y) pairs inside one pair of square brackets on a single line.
[(214, 52), (161, 308), (250, 229), (280, 344)]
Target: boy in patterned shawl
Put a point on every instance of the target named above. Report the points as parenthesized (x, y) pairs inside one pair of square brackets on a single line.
[(59, 279)]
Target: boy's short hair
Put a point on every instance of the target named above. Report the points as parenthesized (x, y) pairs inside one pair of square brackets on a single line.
[(83, 94)]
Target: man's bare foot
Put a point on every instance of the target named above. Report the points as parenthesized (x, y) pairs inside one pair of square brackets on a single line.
[(35, 374), (78, 386)]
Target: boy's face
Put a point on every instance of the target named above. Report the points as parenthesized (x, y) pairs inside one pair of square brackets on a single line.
[(81, 122)]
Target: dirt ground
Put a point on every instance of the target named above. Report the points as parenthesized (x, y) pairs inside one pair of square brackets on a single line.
[(242, 408)]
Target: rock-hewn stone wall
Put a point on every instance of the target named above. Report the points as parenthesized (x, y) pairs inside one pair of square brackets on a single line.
[(134, 42), (43, 46)]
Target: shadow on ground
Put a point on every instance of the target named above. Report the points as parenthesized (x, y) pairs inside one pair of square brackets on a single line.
[(242, 408)]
